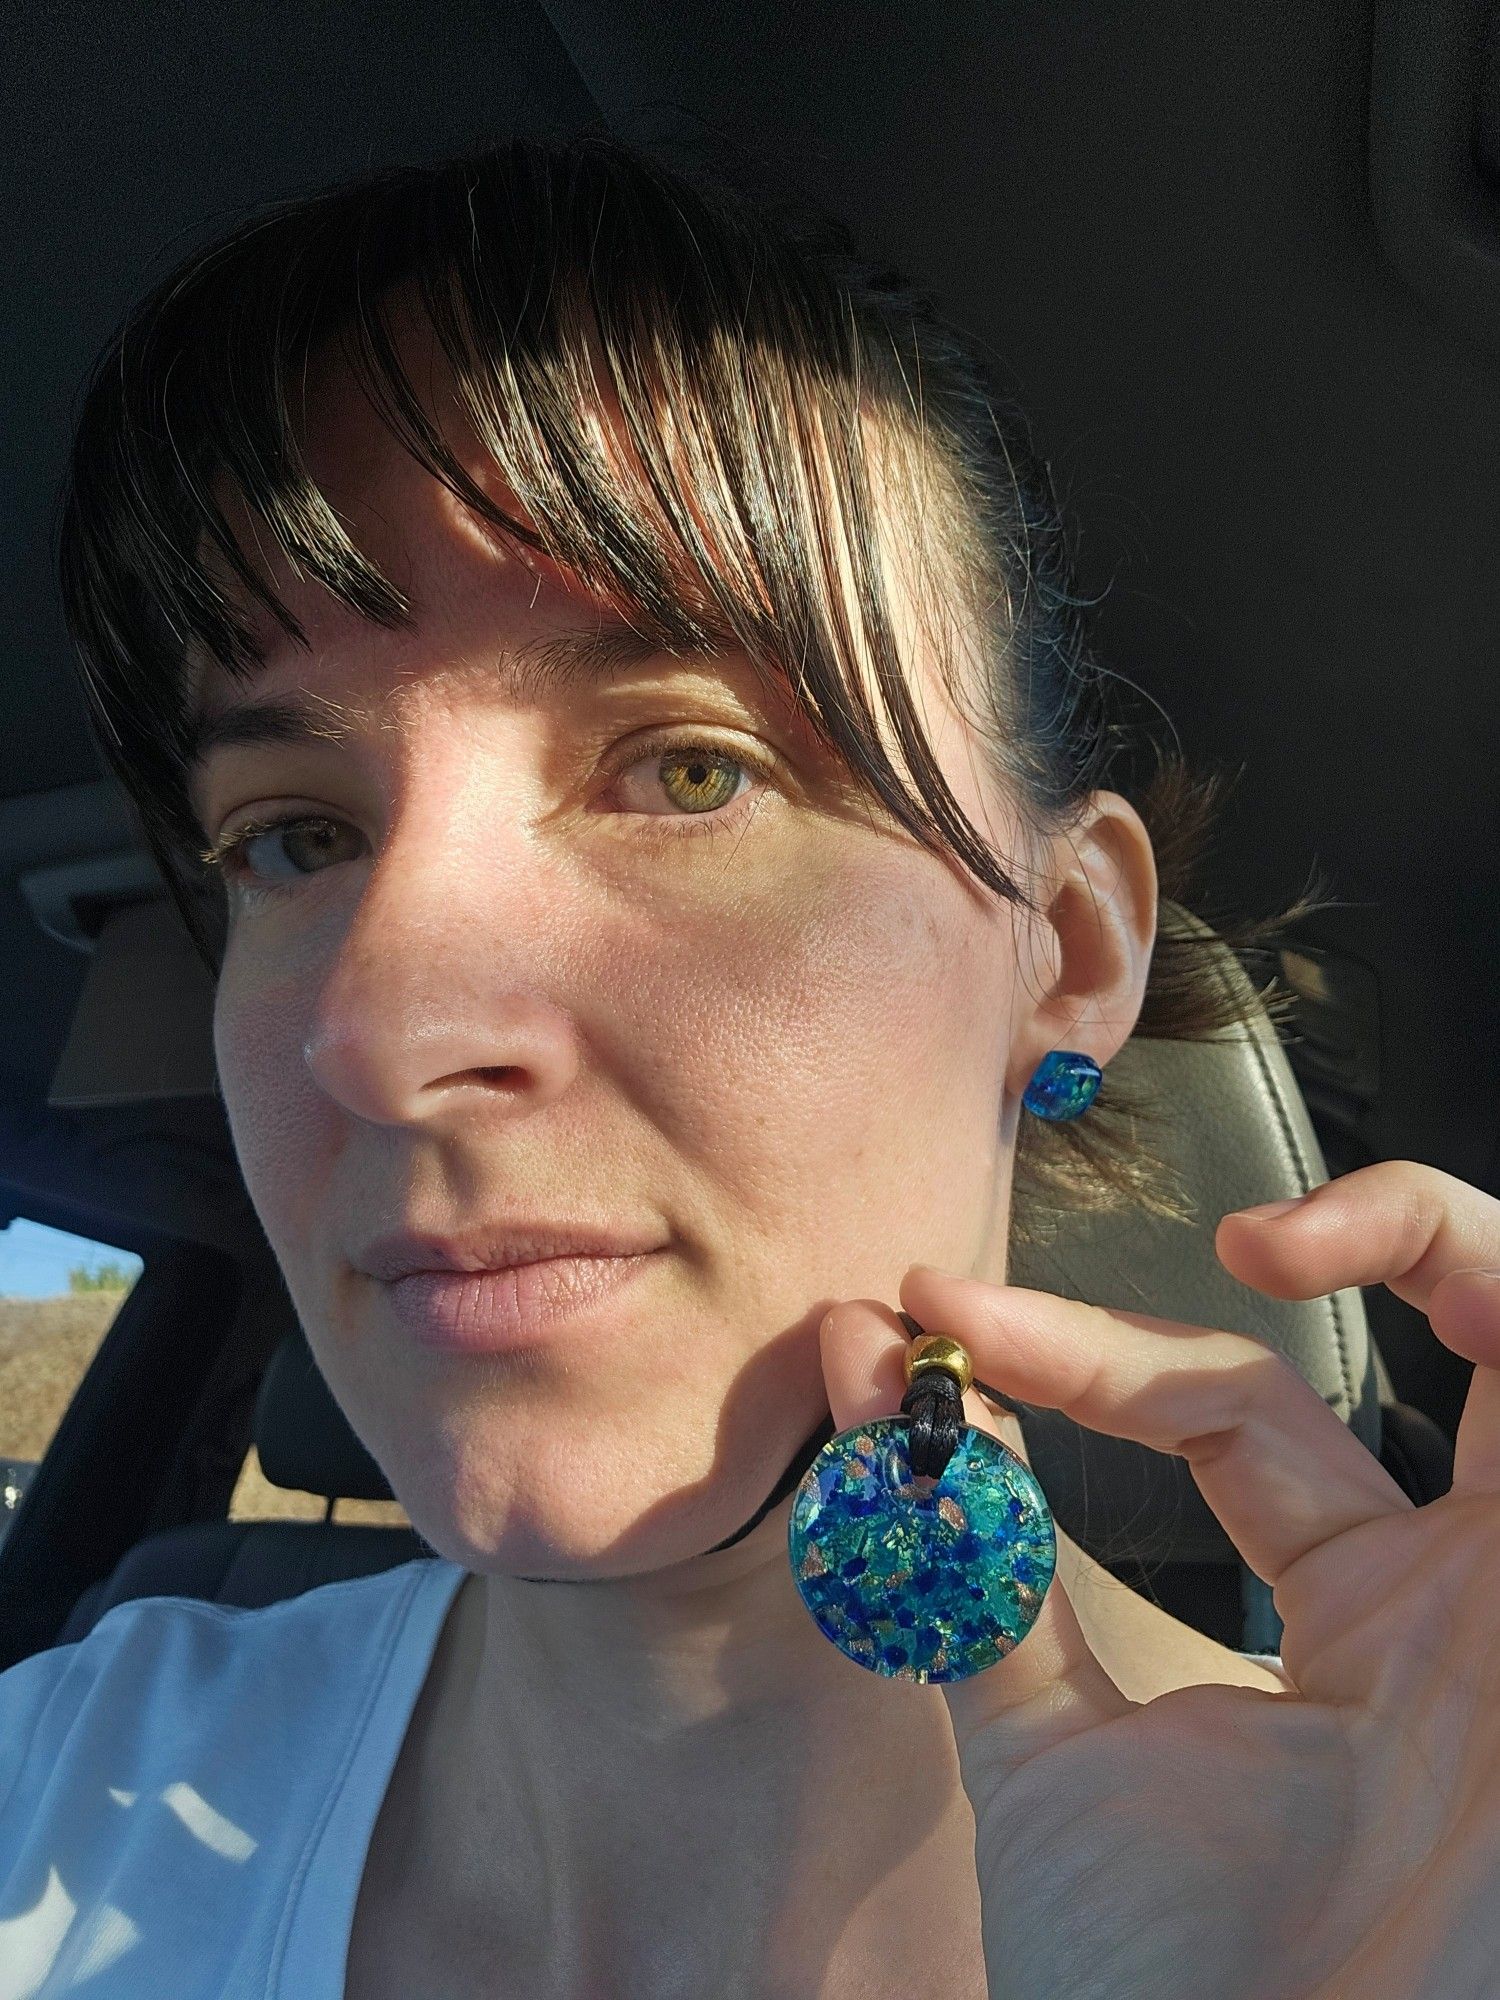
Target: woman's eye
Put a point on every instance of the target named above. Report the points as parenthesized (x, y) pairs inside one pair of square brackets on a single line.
[(311, 833), (699, 780), (703, 787)]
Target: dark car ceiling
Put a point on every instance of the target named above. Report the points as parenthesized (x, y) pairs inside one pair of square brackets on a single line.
[(1277, 446)]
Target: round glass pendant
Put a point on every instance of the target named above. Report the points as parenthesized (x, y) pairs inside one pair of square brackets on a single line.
[(921, 1579)]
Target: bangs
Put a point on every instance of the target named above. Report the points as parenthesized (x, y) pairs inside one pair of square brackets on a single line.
[(683, 406)]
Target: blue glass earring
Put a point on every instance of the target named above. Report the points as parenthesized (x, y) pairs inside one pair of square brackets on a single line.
[(1064, 1084), (922, 1547)]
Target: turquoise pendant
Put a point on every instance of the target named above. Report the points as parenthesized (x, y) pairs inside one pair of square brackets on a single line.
[(921, 1579)]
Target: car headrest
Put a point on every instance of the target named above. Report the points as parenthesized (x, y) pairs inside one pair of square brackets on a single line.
[(1236, 1130)]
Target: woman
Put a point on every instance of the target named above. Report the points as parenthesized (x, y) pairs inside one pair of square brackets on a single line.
[(679, 842)]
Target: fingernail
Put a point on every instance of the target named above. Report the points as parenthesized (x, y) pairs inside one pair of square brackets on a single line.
[(1263, 1211)]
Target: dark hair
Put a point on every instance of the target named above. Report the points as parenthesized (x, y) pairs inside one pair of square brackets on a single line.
[(748, 346)]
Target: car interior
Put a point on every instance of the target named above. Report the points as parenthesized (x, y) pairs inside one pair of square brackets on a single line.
[(1241, 269)]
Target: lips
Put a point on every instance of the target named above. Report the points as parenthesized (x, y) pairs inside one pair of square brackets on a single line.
[(500, 1247), (491, 1311)]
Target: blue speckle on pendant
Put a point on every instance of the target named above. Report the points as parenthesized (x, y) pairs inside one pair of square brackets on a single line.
[(874, 1552)]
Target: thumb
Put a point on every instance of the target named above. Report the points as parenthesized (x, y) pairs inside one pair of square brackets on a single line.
[(1051, 1685)]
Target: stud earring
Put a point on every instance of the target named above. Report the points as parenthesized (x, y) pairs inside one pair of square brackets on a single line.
[(1063, 1086)]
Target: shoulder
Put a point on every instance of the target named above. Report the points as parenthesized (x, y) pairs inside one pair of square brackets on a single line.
[(170, 1665)]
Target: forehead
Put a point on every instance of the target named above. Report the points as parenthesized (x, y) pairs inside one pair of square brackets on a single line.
[(434, 550), (472, 591), (452, 567)]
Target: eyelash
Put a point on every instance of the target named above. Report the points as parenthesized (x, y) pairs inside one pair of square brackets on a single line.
[(225, 854)]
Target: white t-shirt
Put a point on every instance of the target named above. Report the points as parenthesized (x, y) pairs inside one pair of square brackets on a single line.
[(187, 1794)]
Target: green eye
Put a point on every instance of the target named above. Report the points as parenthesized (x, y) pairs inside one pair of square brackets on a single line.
[(700, 779), (709, 778)]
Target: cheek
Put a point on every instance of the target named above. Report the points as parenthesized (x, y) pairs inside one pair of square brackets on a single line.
[(819, 1050), (279, 1122)]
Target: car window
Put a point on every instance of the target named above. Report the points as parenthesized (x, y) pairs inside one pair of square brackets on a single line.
[(59, 1294)]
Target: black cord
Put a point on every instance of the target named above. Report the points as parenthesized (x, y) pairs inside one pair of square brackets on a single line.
[(935, 1405), (1006, 1402), (935, 1429), (806, 1453)]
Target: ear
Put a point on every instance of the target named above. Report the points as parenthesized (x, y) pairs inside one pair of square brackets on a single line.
[(1084, 968)]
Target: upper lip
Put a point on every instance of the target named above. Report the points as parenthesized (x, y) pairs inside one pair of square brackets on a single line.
[(407, 1251)]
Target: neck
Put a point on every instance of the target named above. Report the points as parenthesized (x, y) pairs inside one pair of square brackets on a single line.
[(663, 1768), (670, 1760)]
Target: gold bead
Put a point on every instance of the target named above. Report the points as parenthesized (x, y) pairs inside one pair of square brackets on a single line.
[(936, 1350)]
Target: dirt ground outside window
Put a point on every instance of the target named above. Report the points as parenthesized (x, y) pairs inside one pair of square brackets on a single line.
[(46, 1346)]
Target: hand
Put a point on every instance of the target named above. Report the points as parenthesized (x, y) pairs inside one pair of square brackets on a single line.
[(1338, 1842)]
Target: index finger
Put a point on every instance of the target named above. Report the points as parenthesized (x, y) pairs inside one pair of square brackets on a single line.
[(1423, 1234), (1397, 1223), (1281, 1471)]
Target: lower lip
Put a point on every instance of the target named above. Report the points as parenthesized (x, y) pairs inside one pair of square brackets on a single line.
[(489, 1312)]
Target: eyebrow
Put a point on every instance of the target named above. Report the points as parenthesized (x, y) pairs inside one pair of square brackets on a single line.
[(558, 664)]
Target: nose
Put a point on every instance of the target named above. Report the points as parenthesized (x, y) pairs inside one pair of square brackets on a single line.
[(436, 1009)]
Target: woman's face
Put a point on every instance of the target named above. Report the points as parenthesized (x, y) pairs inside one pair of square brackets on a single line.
[(537, 975)]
